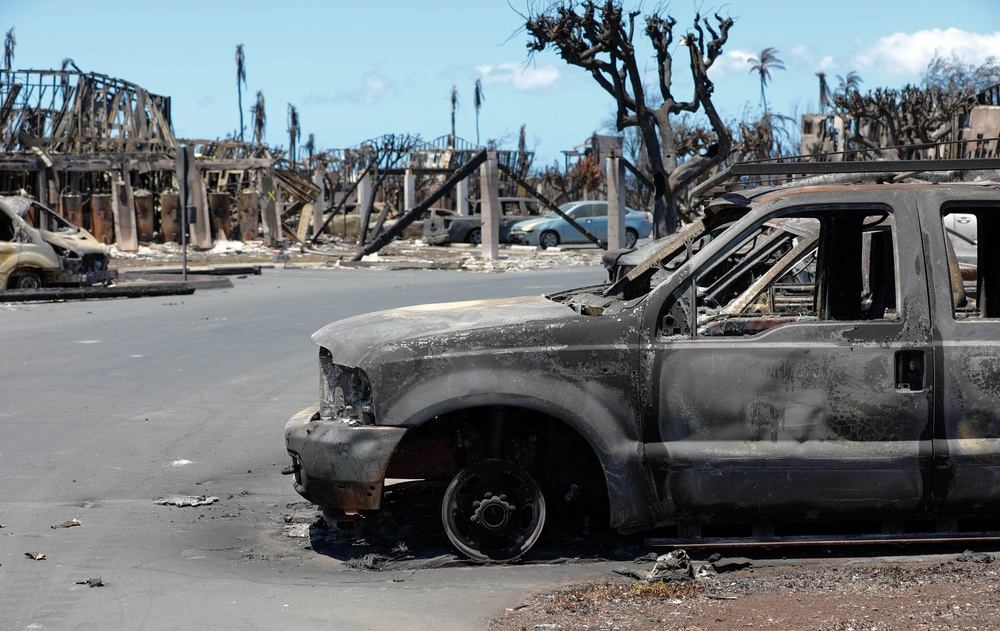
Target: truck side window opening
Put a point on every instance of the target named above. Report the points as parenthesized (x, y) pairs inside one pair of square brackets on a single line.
[(6, 229), (973, 265), (835, 265)]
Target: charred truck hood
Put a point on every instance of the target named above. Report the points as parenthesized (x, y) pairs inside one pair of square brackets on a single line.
[(360, 340)]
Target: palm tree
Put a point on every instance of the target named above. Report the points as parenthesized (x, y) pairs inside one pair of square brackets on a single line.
[(259, 118), (8, 51), (241, 81), (824, 92), (850, 83), (454, 106), (763, 66), (478, 99), (293, 130)]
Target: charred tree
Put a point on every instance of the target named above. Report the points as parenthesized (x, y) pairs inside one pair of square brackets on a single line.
[(903, 119), (598, 37)]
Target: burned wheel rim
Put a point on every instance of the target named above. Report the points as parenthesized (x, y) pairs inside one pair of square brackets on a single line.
[(493, 511), (549, 239), (631, 237), (28, 280), (475, 237)]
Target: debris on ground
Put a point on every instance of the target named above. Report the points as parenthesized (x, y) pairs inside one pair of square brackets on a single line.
[(673, 566), (68, 524), (375, 562), (833, 593), (37, 556), (186, 500), (297, 530), (92, 582), (975, 557)]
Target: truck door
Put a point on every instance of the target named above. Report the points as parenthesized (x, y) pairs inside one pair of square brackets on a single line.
[(799, 389), (965, 266)]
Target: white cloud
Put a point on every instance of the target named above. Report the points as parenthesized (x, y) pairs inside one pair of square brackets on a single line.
[(521, 78), (732, 62), (374, 87), (907, 54)]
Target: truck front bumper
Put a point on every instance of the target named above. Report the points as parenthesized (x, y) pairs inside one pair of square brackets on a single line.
[(337, 465)]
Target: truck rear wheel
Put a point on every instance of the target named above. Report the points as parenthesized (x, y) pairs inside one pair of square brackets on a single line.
[(26, 279)]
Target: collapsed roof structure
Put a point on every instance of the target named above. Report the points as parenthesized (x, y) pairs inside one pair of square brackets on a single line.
[(102, 152)]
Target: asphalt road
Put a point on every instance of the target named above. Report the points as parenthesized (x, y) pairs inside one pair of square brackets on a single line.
[(106, 406)]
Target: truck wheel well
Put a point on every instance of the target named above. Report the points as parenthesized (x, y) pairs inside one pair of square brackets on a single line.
[(33, 273), (553, 453)]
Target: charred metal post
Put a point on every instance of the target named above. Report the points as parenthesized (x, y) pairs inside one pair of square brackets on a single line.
[(489, 179), (170, 217), (143, 215), (72, 208), (218, 209), (616, 202), (101, 218)]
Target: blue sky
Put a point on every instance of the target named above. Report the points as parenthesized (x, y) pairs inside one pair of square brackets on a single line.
[(356, 70)]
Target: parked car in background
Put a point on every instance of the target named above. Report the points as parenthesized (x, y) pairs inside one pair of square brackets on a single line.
[(551, 230), (451, 228), (40, 248)]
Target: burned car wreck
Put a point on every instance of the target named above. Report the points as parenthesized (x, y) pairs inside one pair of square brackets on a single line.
[(806, 357), (39, 248)]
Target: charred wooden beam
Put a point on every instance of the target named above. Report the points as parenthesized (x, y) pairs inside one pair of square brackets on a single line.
[(417, 211)]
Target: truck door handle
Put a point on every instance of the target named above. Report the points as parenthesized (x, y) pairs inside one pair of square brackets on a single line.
[(910, 370)]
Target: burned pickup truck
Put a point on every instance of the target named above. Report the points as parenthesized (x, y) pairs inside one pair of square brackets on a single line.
[(39, 248), (812, 359)]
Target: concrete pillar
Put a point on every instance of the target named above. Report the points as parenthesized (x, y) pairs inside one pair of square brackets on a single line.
[(462, 197), (489, 182), (269, 198), (364, 209), (616, 203), (320, 205), (409, 190), (123, 209), (201, 231), (364, 193)]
